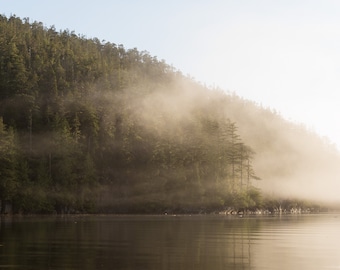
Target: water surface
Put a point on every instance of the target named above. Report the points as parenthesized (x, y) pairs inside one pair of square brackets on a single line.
[(291, 242)]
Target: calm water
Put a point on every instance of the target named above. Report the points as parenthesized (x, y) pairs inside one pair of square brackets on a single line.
[(171, 242)]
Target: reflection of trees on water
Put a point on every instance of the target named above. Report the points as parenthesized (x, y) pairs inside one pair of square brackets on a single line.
[(238, 243), (132, 243), (203, 243)]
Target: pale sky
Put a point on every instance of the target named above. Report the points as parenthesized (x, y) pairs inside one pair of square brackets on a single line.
[(282, 54)]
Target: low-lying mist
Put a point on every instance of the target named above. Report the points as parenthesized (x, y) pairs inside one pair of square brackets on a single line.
[(291, 161)]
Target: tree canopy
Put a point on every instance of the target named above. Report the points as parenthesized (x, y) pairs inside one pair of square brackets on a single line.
[(88, 126)]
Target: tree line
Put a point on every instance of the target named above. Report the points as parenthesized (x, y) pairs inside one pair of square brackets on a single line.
[(88, 126)]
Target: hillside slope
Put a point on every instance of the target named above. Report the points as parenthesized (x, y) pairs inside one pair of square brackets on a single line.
[(93, 127)]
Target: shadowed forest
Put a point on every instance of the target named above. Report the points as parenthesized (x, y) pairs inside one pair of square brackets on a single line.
[(91, 127)]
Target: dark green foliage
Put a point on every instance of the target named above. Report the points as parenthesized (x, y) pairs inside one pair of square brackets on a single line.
[(87, 126), (8, 159)]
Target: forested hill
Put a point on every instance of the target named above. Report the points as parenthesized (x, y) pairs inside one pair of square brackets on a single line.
[(87, 126)]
